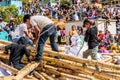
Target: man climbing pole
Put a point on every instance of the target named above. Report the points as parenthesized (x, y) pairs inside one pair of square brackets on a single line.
[(44, 28)]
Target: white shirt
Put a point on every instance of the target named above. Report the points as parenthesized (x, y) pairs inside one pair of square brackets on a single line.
[(58, 33), (15, 34), (40, 21), (22, 28)]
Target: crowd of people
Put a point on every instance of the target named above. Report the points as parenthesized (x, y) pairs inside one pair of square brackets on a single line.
[(78, 10), (38, 20)]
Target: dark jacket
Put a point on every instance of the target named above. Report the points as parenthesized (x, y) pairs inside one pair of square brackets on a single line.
[(91, 37), (16, 53)]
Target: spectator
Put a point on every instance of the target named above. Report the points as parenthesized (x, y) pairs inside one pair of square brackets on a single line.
[(23, 32), (59, 34), (7, 29), (63, 32), (2, 23), (79, 30), (72, 32), (101, 36)]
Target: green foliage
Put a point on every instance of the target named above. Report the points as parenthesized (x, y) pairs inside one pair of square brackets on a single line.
[(65, 4), (26, 1), (18, 19), (7, 11)]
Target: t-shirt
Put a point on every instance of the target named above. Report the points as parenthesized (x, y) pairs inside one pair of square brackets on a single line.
[(73, 32), (91, 37), (40, 21), (59, 33), (22, 28)]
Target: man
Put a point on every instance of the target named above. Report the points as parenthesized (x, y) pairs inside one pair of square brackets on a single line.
[(16, 53), (23, 32), (45, 28), (2, 23), (92, 40)]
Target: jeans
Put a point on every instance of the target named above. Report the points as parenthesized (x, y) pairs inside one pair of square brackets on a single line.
[(92, 52), (29, 41), (49, 34), (94, 55)]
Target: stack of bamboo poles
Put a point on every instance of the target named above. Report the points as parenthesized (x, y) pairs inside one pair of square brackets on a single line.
[(66, 68)]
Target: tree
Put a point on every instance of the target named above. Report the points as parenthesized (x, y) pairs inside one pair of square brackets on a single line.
[(26, 1), (7, 11), (65, 4)]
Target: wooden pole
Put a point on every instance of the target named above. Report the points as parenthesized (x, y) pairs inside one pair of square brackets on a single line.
[(26, 70), (54, 70), (46, 76), (39, 76), (5, 42), (75, 68), (107, 59), (12, 78), (81, 60)]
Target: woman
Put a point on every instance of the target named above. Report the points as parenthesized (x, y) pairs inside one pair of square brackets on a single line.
[(79, 30), (72, 32)]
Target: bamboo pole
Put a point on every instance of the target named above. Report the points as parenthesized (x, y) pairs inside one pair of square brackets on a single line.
[(46, 76), (26, 70), (54, 70), (75, 68), (12, 78), (112, 71), (57, 69), (39, 76), (5, 42), (115, 76), (67, 75), (112, 54), (4, 56), (107, 59), (73, 77), (81, 60), (86, 76)]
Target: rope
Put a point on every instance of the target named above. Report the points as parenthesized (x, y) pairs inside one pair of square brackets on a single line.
[(41, 35)]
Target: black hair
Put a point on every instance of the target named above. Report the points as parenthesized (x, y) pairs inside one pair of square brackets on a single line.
[(86, 21), (27, 16)]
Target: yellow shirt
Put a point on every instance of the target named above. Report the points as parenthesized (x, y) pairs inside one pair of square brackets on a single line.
[(72, 32)]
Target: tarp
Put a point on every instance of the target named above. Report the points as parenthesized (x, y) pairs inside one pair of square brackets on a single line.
[(4, 36), (4, 72)]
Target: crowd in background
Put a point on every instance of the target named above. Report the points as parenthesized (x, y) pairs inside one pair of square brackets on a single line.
[(78, 11)]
